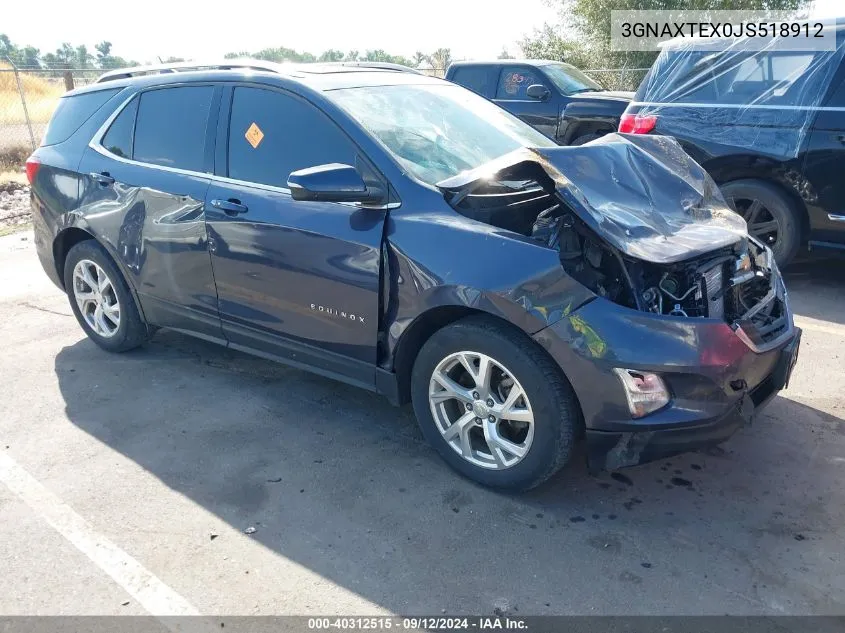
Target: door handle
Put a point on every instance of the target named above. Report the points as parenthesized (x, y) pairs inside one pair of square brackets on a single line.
[(230, 206), (102, 178)]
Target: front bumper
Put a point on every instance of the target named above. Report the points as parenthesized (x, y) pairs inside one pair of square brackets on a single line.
[(717, 381)]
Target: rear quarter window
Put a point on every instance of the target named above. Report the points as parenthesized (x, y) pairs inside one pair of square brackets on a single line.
[(72, 111), (476, 79)]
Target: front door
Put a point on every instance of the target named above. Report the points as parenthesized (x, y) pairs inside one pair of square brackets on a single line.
[(823, 167), (512, 95), (294, 279)]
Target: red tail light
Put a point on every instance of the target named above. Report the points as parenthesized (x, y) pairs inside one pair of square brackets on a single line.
[(637, 123), (32, 166)]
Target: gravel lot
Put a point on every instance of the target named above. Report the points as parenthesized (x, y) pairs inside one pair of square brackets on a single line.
[(127, 483), (14, 205)]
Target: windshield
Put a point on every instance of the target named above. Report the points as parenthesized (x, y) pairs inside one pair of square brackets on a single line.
[(437, 131), (569, 79)]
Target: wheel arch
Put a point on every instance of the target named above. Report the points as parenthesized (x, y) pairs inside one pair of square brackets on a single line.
[(583, 127), (426, 324), (65, 240), (69, 237), (787, 181)]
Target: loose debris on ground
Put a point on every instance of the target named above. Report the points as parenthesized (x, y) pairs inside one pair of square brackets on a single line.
[(14, 205)]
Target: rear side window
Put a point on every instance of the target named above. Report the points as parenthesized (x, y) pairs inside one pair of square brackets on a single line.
[(118, 140), (171, 126), (476, 79), (514, 82), (71, 112), (272, 134)]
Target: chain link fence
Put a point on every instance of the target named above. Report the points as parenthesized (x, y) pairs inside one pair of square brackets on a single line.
[(28, 97)]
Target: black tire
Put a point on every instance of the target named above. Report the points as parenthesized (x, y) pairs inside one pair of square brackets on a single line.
[(131, 331), (586, 138), (553, 403), (772, 205)]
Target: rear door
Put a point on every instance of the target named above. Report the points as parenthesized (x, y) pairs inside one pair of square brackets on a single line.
[(145, 177), (511, 94), (294, 279), (823, 167)]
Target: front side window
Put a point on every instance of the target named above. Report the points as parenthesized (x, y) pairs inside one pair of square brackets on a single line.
[(272, 134), (514, 82), (436, 131), (171, 126)]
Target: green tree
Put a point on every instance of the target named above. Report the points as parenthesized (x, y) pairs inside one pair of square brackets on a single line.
[(583, 35), (103, 50), (505, 54), (440, 59), (7, 48), (82, 58), (331, 55), (28, 57)]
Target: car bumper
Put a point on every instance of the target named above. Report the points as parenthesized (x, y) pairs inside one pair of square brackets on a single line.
[(717, 383)]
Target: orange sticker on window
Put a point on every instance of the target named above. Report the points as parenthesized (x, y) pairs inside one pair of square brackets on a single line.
[(254, 135)]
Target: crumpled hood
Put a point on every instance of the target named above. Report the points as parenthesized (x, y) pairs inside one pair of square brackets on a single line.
[(641, 193)]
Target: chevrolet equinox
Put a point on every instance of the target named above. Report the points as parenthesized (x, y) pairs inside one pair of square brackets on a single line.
[(403, 234)]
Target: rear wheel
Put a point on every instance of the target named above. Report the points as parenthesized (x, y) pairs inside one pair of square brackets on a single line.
[(771, 216), (586, 138), (494, 406), (100, 299)]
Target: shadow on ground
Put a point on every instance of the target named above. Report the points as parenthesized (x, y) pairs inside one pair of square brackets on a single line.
[(341, 482)]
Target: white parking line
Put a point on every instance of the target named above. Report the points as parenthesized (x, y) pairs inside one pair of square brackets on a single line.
[(150, 592)]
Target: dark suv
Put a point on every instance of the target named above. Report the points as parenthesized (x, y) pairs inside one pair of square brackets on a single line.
[(769, 127), (553, 97), (400, 233)]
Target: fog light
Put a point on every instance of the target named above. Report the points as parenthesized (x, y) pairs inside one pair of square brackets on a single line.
[(645, 392)]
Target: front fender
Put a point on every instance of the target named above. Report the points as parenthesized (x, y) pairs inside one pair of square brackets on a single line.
[(439, 260)]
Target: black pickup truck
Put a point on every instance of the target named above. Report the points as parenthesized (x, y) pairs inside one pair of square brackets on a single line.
[(555, 98)]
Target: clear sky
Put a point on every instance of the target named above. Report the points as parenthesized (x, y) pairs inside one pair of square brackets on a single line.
[(187, 28)]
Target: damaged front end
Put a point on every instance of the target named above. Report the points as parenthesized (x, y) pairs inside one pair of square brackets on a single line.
[(638, 222), (689, 309)]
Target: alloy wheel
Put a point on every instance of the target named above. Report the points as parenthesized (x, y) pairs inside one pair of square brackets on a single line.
[(96, 298), (481, 410), (762, 224)]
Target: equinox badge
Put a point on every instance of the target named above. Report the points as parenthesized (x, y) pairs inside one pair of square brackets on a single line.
[(337, 313)]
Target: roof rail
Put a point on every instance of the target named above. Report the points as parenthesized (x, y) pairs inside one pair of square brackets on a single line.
[(240, 64), (375, 65), (231, 64)]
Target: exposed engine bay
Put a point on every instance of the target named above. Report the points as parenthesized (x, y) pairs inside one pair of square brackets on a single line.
[(734, 279)]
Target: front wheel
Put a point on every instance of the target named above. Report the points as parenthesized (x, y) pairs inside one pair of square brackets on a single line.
[(493, 404)]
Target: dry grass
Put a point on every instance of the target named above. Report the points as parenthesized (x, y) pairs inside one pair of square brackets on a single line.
[(41, 94), (13, 176)]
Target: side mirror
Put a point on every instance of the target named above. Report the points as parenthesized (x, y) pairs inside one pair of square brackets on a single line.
[(538, 91), (334, 182)]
